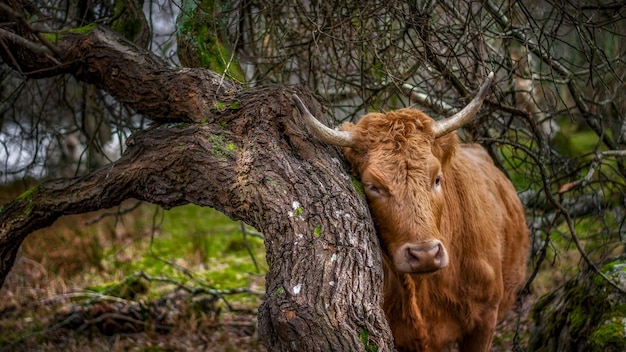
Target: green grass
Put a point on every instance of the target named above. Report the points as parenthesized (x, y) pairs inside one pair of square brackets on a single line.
[(198, 240), (518, 166), (147, 255)]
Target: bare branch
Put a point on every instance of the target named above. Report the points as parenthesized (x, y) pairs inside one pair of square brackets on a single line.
[(595, 165), (35, 48), (429, 101), (113, 213), (21, 20)]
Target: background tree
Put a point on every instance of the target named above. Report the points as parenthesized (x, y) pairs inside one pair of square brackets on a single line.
[(74, 90)]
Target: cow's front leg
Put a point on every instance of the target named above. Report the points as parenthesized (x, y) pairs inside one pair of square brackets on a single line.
[(479, 338)]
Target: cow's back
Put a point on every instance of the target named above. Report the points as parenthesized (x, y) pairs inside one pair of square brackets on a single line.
[(510, 220)]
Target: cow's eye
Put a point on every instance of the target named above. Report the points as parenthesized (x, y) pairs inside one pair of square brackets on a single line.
[(438, 181), (372, 189)]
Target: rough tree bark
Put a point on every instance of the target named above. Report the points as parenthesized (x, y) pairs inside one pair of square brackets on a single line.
[(243, 152)]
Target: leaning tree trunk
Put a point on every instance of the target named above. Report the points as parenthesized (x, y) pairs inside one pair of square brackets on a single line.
[(243, 152)]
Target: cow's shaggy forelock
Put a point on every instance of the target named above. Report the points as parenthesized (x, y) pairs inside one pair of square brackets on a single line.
[(401, 136)]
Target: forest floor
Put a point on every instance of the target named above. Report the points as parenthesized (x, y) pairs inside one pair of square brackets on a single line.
[(188, 279)]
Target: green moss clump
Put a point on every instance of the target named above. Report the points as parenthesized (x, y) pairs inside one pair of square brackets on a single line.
[(279, 291), (125, 24), (52, 37), (130, 288), (29, 193), (203, 39), (585, 314), (364, 337), (358, 186), (28, 197), (84, 29), (318, 231), (56, 37), (200, 238), (610, 336), (221, 148), (221, 106)]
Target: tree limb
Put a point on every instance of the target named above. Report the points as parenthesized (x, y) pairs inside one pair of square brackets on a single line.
[(134, 76), (246, 154)]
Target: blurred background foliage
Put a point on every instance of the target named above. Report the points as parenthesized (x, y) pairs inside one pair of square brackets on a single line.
[(555, 122)]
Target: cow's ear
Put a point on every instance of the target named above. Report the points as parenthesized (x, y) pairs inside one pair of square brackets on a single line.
[(357, 154), (445, 147)]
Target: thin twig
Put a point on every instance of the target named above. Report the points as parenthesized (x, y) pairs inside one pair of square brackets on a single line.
[(35, 48), (595, 165), (9, 345), (429, 101), (114, 213), (118, 316), (20, 18), (248, 248)]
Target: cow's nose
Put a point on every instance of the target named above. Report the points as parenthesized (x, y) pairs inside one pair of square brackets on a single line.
[(421, 257)]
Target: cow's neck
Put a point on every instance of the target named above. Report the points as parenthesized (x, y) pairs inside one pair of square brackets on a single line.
[(401, 308), (409, 303), (427, 288)]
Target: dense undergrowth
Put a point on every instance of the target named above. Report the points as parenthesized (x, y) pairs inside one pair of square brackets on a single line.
[(135, 277)]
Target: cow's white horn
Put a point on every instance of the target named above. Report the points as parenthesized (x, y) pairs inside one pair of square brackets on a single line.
[(458, 120), (326, 134)]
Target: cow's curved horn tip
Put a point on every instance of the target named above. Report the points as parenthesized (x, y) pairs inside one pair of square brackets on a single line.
[(299, 104), (489, 79), (484, 87), (296, 99)]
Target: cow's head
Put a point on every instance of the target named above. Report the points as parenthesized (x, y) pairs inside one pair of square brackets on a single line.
[(401, 158)]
